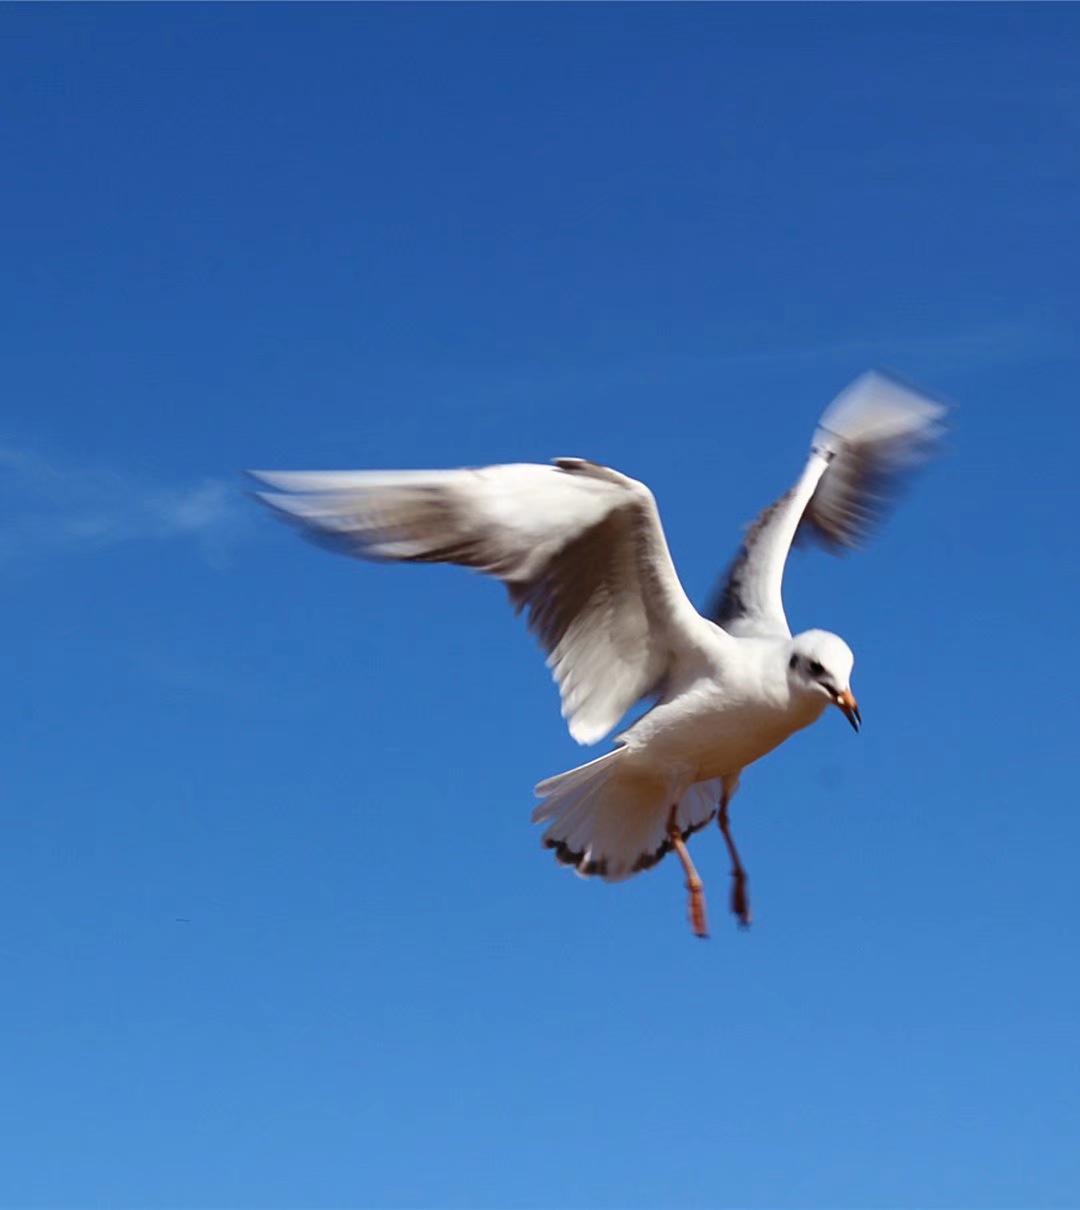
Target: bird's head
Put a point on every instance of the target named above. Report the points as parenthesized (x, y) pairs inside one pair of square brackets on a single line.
[(820, 663)]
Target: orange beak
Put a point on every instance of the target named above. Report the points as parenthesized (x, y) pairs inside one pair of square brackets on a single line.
[(850, 707)]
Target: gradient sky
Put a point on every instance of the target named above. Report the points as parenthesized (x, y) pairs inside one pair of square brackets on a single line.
[(276, 929)]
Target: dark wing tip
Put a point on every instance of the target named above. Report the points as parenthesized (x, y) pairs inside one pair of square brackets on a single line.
[(877, 433)]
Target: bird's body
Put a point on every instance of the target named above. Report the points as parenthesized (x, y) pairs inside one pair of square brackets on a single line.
[(581, 548), (731, 711)]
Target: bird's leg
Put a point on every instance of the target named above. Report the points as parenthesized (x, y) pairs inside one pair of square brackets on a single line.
[(740, 896), (694, 885)]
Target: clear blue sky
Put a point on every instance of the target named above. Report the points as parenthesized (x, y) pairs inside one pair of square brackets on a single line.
[(276, 929)]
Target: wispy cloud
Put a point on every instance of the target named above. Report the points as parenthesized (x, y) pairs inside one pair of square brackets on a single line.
[(978, 348), (922, 355), (49, 509)]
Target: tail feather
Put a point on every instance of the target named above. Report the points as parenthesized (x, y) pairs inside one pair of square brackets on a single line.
[(610, 819)]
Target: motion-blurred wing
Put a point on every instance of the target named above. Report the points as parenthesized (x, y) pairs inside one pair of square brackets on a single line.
[(870, 437), (579, 546)]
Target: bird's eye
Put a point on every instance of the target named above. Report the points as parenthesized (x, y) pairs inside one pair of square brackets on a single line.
[(793, 662), (816, 669)]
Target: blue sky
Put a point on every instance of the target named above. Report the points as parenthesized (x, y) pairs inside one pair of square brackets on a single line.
[(276, 929)]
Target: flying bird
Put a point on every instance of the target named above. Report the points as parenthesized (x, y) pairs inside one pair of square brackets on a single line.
[(580, 548)]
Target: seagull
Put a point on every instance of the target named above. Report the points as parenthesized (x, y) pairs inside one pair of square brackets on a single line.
[(581, 550)]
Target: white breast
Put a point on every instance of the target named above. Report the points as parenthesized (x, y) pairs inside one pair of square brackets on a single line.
[(720, 724)]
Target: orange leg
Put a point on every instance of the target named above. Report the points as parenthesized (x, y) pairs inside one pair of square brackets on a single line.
[(694, 885), (740, 895)]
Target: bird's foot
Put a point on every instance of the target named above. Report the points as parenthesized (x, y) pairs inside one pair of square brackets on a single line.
[(696, 909), (694, 887), (740, 898)]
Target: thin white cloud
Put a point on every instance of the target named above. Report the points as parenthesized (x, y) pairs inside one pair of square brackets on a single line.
[(922, 356), (49, 510)]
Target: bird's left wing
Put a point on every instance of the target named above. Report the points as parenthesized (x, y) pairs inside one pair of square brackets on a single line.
[(579, 546), (869, 437)]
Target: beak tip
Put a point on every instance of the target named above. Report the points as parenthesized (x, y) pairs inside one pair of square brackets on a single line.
[(850, 707)]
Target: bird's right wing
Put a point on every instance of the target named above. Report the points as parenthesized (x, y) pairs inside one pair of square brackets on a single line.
[(579, 546), (871, 435)]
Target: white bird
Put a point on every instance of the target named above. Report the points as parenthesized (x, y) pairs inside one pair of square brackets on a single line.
[(580, 547)]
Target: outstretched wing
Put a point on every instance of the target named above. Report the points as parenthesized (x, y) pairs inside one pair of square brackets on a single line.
[(870, 437), (579, 546)]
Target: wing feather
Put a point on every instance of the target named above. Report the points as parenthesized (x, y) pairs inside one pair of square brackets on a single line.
[(579, 547), (869, 439)]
